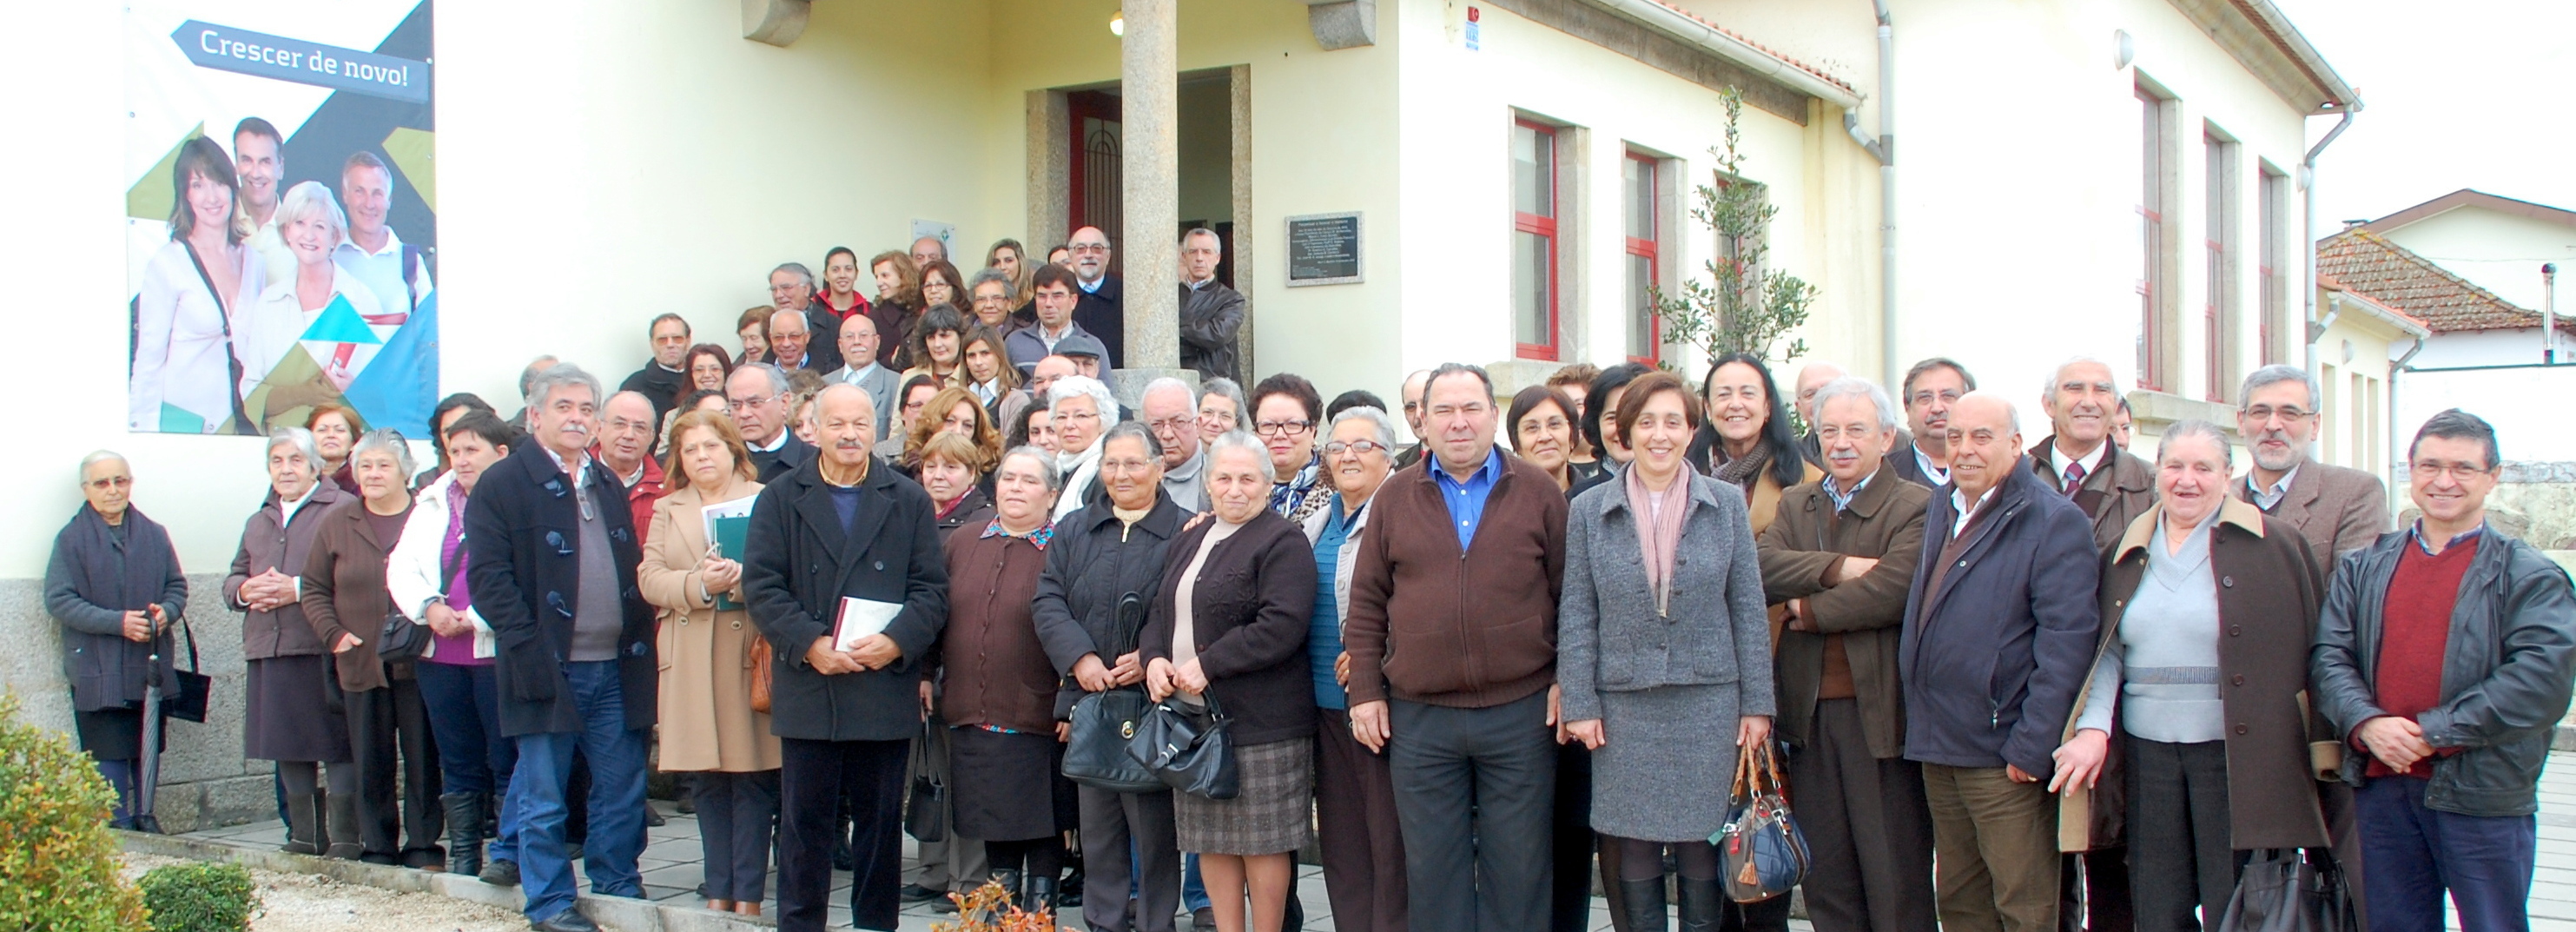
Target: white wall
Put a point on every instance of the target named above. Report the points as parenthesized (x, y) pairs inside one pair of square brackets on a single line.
[(2500, 252), (2489, 348)]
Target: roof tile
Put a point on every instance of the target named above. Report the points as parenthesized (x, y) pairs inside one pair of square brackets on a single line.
[(2367, 263)]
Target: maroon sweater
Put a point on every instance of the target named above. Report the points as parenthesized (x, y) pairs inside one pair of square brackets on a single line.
[(1431, 624), (2415, 633)]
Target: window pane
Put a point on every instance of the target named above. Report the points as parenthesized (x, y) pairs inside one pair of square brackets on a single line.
[(1639, 176), (1530, 289), (1533, 171), (1641, 315)]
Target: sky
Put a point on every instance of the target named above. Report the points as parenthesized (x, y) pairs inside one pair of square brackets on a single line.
[(2459, 94)]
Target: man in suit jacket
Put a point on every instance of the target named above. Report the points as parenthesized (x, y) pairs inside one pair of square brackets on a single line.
[(757, 395), (1999, 630), (2081, 462), (841, 527), (1102, 298), (861, 368), (1921, 455), (1841, 554), (553, 573), (2338, 510)]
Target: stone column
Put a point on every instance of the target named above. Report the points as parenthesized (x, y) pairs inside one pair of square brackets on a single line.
[(1149, 112)]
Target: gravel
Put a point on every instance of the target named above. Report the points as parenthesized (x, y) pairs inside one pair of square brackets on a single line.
[(308, 903)]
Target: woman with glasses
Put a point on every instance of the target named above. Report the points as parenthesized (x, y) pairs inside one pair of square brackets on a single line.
[(114, 584), (990, 297), (1354, 791), (1221, 409), (1286, 410)]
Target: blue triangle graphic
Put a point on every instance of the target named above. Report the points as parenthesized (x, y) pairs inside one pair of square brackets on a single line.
[(340, 323), (399, 386)]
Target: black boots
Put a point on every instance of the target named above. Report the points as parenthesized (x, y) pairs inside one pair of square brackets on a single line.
[(1643, 901), (464, 832), (1037, 893), (304, 824), (345, 843), (1703, 904)]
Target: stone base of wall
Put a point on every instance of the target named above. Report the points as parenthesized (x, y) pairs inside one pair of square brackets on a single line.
[(205, 781)]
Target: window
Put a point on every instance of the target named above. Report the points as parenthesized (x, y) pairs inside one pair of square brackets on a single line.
[(2329, 438), (2368, 388), (2273, 275), (2159, 333), (2218, 224), (1534, 284), (1640, 187)]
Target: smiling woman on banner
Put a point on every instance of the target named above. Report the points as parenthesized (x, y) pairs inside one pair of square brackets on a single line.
[(322, 310), (184, 378)]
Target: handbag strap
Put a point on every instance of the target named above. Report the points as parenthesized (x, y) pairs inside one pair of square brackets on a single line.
[(232, 360), (191, 635)]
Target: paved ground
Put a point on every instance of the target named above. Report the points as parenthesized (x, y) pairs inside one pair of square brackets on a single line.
[(671, 868)]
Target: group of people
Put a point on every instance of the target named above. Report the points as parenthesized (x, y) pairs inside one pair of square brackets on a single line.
[(1537, 639)]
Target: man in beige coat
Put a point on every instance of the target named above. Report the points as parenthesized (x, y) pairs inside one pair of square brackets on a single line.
[(1841, 554), (2337, 510)]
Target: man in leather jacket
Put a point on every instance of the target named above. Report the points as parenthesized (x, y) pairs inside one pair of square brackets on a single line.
[(2443, 659)]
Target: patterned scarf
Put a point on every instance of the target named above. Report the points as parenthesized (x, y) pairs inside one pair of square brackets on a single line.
[(1040, 537), (1304, 494), (1743, 471)]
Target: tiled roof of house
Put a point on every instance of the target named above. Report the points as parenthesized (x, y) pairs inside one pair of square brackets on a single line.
[(2367, 263), (1764, 49)]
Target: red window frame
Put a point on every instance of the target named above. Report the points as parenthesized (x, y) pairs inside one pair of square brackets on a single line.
[(1650, 249), (1544, 227), (2151, 217)]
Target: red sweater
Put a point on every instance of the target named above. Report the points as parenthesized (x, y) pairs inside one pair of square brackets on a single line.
[(2415, 632)]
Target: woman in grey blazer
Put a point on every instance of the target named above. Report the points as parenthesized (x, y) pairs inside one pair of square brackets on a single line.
[(1661, 642)]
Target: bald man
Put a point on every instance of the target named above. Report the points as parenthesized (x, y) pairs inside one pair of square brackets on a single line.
[(1811, 378), (1999, 630), (793, 346), (627, 429), (1102, 306), (927, 250)]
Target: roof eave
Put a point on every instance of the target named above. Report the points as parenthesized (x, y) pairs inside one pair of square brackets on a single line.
[(1690, 30), (2260, 37)]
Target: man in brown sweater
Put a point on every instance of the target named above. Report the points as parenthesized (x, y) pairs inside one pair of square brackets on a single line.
[(1452, 641), (1841, 554)]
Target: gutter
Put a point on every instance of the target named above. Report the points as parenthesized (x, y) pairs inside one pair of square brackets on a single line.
[(2308, 183), (1883, 148), (1762, 62)]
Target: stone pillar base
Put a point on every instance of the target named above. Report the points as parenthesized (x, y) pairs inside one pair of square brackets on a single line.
[(1129, 384)]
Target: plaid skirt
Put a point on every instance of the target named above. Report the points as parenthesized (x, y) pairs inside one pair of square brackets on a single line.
[(1274, 813)]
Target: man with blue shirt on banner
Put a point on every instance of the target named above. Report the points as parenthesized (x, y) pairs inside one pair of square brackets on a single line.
[(397, 272)]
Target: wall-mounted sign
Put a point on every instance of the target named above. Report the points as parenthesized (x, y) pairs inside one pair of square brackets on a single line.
[(1324, 249)]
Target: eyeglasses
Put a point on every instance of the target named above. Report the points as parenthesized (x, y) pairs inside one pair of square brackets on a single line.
[(1175, 422), (1361, 447), (2261, 414), (745, 404), (2453, 470), (1222, 417), (1090, 247), (1282, 428)]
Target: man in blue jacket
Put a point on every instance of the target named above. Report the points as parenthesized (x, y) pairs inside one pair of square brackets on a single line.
[(1999, 627), (553, 572), (2443, 656)]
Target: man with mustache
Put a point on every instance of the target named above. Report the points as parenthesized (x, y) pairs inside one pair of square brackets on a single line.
[(1930, 388), (2338, 510)]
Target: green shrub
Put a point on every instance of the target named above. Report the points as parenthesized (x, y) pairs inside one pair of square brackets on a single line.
[(58, 868), (199, 897)]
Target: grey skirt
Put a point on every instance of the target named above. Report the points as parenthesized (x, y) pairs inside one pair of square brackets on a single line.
[(1666, 764), (287, 712), (1273, 814)]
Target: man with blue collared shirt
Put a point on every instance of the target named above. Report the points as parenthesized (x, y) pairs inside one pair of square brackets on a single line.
[(1838, 557), (1452, 644), (396, 273), (2443, 656)]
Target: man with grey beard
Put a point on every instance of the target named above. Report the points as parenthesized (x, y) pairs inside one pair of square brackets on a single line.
[(2338, 510)]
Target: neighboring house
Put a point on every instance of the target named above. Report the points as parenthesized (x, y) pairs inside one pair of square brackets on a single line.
[(2360, 341), (2497, 242)]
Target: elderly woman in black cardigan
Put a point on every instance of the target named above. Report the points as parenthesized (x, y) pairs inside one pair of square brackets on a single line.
[(1230, 624), (115, 585)]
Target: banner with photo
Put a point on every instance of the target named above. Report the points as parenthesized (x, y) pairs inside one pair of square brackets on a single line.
[(281, 219)]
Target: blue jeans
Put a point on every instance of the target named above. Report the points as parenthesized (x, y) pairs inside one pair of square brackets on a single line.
[(464, 705), (616, 755), (2411, 854)]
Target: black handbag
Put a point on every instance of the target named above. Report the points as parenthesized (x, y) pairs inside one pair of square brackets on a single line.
[(402, 638), (1188, 749), (196, 689), (1095, 749), (925, 812), (2280, 891)]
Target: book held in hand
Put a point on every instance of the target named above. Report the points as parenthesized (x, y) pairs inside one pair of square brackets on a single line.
[(859, 618), (727, 524)]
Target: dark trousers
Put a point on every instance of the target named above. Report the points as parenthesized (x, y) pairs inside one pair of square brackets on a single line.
[(2182, 866), (1110, 822), (2411, 854), (812, 776), (1994, 842), (1867, 825), (1356, 829), (734, 814), (464, 706), (538, 795), (389, 728), (2093, 891), (1465, 776), (1571, 856)]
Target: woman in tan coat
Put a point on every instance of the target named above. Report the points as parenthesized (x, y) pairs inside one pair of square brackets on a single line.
[(706, 644)]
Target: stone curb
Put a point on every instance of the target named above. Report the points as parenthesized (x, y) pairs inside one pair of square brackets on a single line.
[(611, 912)]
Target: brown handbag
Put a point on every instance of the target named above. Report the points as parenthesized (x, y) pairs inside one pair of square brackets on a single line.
[(760, 654)]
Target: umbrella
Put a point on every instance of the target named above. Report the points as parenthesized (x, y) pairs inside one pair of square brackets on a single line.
[(148, 782)]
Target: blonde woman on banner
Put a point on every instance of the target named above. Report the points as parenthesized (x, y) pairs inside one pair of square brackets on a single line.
[(193, 288), (308, 335)]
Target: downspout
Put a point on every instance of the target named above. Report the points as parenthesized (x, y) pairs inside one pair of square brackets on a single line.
[(2395, 369), (2308, 181), (1883, 148)]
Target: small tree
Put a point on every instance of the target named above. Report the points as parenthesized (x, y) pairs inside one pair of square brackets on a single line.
[(57, 859), (1743, 306)]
